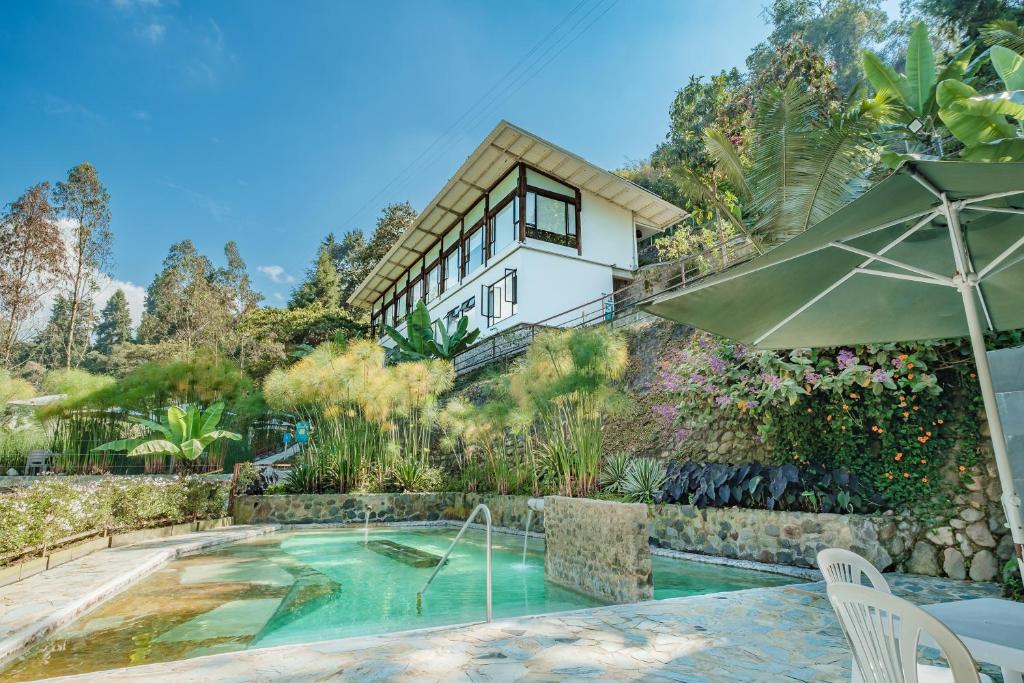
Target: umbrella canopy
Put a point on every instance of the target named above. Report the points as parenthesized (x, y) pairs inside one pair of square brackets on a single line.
[(936, 250)]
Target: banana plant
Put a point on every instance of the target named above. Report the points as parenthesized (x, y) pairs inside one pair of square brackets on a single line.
[(988, 125), (913, 95), (184, 433), (424, 339)]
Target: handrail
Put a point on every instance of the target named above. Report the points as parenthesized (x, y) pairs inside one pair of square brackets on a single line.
[(444, 558)]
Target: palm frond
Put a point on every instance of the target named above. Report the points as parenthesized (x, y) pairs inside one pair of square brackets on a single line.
[(782, 136), (727, 160), (831, 172), (1005, 33), (699, 192)]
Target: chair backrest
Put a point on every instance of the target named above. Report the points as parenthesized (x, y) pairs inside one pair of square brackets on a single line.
[(36, 458), (842, 566), (884, 633)]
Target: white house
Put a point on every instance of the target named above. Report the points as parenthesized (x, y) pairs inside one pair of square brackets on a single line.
[(471, 253)]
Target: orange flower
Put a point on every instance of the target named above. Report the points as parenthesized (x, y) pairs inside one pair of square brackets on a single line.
[(899, 456), (924, 480), (910, 365), (903, 356), (940, 421), (888, 475), (828, 418), (922, 439), (974, 376), (906, 475), (924, 461), (963, 468), (846, 407), (927, 433), (874, 428), (906, 413), (910, 376), (914, 408)]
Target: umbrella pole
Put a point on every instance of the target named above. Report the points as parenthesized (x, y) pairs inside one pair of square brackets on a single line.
[(1010, 499)]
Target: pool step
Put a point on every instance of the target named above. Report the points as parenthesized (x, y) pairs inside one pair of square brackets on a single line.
[(414, 557)]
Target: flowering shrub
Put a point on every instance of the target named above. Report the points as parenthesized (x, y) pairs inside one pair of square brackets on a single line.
[(49, 510), (895, 415)]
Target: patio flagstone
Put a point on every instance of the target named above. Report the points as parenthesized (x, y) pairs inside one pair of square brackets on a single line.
[(761, 635)]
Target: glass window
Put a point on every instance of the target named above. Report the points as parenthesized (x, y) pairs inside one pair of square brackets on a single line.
[(474, 214), (451, 269), (433, 280), (401, 312), (452, 236), (507, 184), (417, 291), (551, 215), (475, 250), (505, 226), (535, 179)]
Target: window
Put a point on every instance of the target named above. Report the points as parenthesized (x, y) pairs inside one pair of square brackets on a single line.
[(504, 227), (551, 220), (400, 305), (433, 280), (498, 300), (475, 250), (417, 291), (451, 269)]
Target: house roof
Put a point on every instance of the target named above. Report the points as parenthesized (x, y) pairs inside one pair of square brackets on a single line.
[(504, 147)]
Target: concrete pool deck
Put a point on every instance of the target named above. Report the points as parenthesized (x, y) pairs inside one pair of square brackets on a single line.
[(785, 633), (33, 608), (759, 635)]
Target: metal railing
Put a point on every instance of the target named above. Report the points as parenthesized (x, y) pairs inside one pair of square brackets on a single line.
[(444, 558), (649, 282)]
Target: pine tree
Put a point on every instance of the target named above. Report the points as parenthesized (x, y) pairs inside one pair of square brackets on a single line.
[(115, 326), (322, 285), (50, 345)]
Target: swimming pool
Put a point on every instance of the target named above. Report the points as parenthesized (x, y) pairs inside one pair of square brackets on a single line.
[(303, 586)]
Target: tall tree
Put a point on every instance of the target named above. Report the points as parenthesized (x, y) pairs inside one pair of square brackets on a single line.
[(840, 29), (187, 302), (115, 325), (959, 21), (31, 259), (322, 285), (83, 201), (49, 347), (394, 220), (236, 279), (346, 253)]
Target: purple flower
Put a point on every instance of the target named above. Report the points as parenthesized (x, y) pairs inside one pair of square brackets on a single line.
[(723, 400), (771, 380), (897, 363), (697, 378), (666, 412), (717, 364), (812, 377), (682, 434), (845, 358), (881, 376)]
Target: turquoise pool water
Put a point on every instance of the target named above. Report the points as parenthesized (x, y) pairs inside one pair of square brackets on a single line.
[(315, 585)]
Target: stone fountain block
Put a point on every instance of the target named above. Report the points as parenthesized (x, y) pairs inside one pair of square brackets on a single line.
[(598, 547)]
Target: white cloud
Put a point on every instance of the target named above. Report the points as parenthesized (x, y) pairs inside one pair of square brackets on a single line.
[(153, 32), (276, 274)]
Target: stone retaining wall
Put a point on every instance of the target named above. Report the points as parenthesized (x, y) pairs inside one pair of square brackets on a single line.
[(598, 547), (349, 508), (792, 538)]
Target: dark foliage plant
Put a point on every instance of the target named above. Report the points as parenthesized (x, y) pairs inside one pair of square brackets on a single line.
[(810, 488)]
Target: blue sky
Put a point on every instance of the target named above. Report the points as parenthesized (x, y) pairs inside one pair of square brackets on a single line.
[(274, 123)]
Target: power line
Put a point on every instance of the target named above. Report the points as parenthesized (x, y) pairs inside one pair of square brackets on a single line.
[(499, 89)]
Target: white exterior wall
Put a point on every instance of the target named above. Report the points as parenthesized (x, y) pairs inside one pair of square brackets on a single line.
[(551, 278)]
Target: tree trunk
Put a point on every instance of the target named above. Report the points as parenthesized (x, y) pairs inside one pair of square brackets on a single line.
[(75, 302)]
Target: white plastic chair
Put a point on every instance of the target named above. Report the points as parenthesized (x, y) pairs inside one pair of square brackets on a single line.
[(842, 566), (884, 633)]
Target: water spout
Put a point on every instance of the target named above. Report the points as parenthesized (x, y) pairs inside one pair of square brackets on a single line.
[(526, 536), (366, 525)]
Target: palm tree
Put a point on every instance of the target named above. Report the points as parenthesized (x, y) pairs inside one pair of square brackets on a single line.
[(805, 164), (184, 433)]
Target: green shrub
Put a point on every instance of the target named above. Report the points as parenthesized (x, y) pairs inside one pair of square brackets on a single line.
[(643, 480), (49, 510), (613, 474)]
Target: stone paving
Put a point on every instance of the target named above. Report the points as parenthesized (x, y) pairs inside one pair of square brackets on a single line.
[(33, 608), (761, 635)]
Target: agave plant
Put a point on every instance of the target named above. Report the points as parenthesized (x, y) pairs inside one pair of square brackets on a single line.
[(424, 339), (613, 474), (183, 433), (643, 481)]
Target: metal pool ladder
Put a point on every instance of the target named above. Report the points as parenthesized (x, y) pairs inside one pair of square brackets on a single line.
[(487, 519)]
